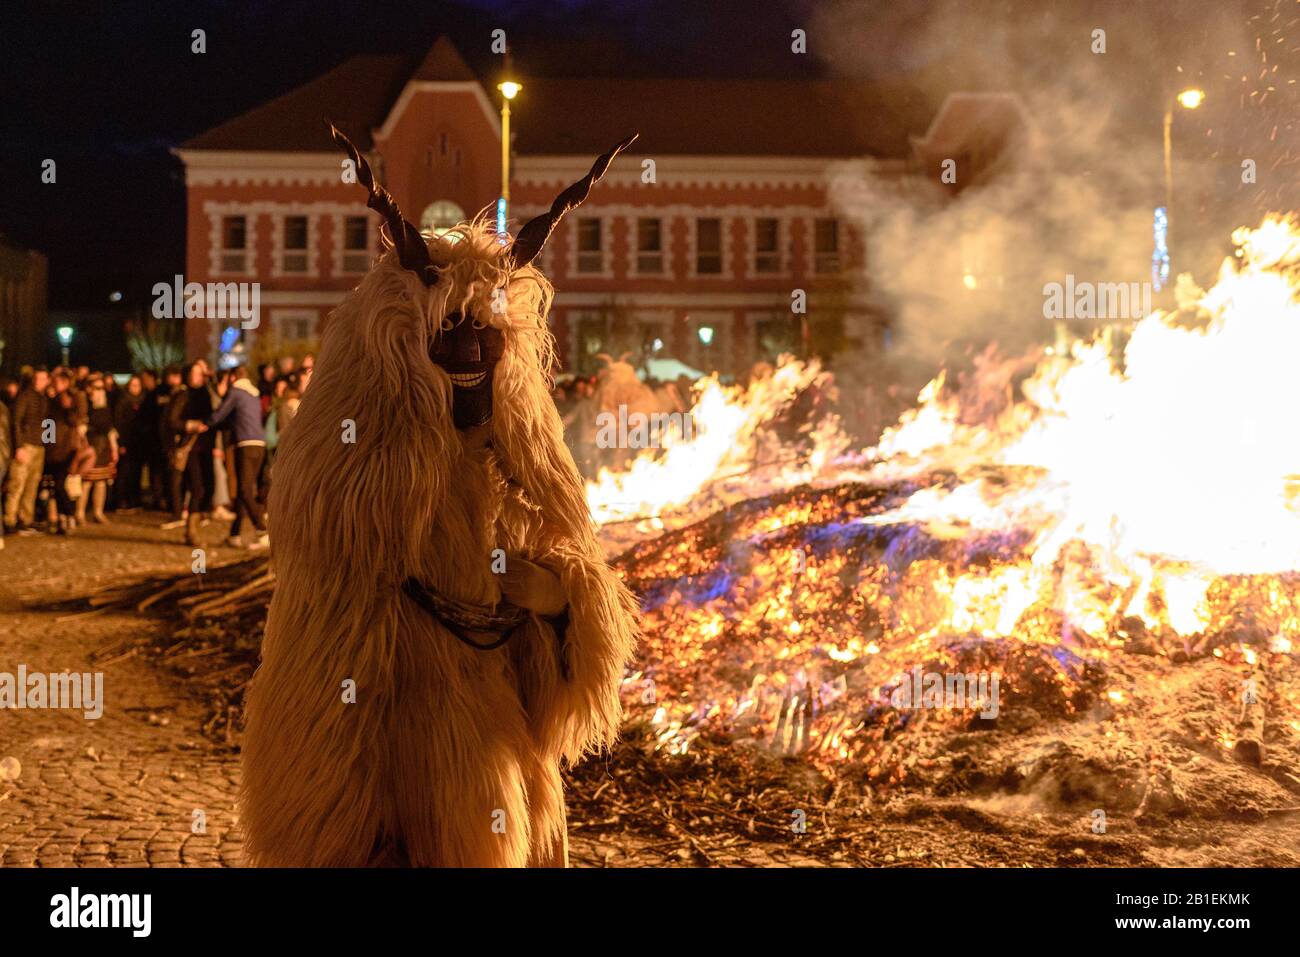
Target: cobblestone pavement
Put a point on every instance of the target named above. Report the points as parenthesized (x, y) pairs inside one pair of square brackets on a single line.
[(138, 786)]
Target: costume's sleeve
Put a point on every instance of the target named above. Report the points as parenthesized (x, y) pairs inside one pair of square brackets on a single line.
[(574, 703)]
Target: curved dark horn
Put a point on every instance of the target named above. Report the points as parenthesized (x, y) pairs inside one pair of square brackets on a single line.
[(534, 233), (412, 253)]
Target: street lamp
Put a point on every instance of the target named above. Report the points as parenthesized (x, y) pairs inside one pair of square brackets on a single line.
[(1188, 100), (65, 340), (509, 90)]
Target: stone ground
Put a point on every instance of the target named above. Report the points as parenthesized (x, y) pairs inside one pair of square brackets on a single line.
[(133, 787), (126, 790)]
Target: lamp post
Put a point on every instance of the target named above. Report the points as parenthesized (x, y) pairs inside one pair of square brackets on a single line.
[(65, 341), (509, 90), (1189, 100)]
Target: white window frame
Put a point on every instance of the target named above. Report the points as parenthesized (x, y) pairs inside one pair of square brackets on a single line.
[(218, 242), (280, 252), (606, 246), (665, 246), (281, 315), (839, 246), (692, 253), (784, 257), (339, 264)]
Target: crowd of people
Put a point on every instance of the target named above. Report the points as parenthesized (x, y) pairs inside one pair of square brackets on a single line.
[(197, 444), (194, 443)]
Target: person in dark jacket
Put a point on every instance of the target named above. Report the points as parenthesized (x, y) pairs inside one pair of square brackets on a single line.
[(131, 459), (64, 412), (29, 451), (242, 406), (191, 450), (146, 438)]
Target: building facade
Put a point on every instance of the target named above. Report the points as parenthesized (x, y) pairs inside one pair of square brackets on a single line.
[(697, 245)]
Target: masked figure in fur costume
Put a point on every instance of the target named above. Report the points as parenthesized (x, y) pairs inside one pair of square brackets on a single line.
[(444, 630)]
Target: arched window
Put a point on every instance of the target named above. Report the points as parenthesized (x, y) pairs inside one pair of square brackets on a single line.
[(440, 216)]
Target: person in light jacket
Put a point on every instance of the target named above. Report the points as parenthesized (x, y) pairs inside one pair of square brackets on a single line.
[(242, 405)]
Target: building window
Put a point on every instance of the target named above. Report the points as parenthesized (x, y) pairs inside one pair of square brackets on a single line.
[(649, 246), (776, 335), (294, 326), (591, 257), (708, 246), (707, 349), (234, 244), (767, 249), (651, 336), (826, 245), (293, 329), (295, 244), (441, 216), (593, 331), (356, 244)]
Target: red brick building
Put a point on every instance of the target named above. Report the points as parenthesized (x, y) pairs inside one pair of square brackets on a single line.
[(692, 245)]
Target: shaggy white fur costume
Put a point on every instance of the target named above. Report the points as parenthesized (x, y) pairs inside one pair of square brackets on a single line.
[(449, 756)]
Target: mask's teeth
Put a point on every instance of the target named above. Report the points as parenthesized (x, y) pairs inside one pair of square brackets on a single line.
[(467, 379)]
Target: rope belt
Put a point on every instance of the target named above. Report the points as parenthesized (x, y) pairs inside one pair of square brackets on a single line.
[(462, 619)]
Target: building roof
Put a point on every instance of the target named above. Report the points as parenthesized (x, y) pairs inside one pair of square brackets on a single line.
[(443, 63), (560, 116), (356, 95), (718, 117)]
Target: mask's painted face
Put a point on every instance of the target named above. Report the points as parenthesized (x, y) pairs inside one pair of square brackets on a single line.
[(469, 354)]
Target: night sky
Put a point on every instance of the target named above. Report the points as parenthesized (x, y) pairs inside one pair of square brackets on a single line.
[(107, 90)]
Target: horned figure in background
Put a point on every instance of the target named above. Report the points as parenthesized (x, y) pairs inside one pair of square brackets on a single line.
[(445, 630)]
